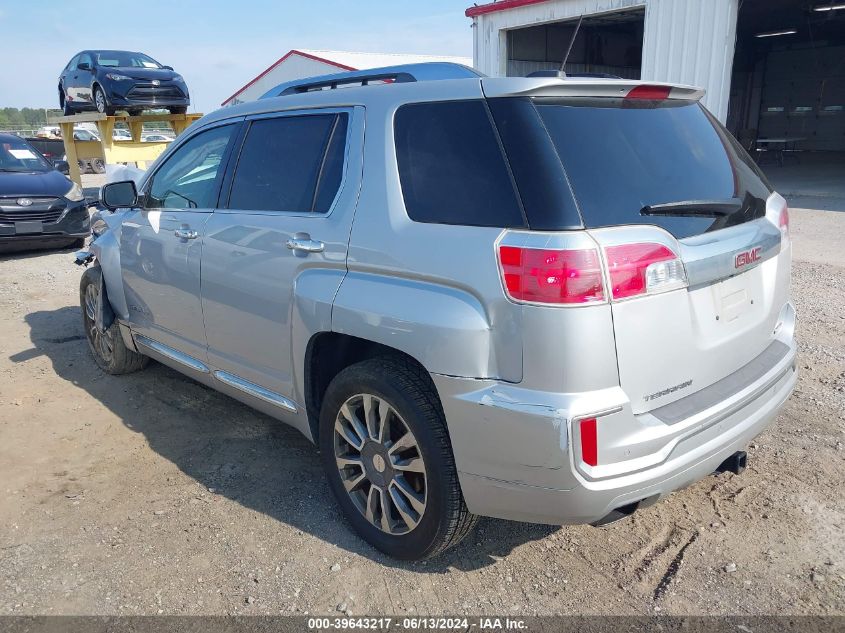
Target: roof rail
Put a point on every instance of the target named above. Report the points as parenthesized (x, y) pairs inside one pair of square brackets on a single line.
[(428, 71)]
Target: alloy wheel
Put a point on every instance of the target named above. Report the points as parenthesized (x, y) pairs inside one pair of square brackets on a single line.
[(101, 341), (100, 100), (380, 463)]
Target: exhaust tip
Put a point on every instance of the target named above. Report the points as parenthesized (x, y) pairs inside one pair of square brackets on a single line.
[(735, 464)]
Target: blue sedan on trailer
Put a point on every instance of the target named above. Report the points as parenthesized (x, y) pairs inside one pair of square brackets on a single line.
[(107, 81)]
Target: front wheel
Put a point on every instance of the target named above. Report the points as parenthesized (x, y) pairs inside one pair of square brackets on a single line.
[(178, 110), (101, 103), (108, 348), (388, 459)]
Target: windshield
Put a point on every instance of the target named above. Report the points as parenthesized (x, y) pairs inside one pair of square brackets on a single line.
[(123, 59), (18, 155), (634, 162)]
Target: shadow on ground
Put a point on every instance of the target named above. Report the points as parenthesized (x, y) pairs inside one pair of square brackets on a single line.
[(246, 456), (26, 250)]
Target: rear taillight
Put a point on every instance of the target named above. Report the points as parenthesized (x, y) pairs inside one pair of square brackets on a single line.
[(589, 442), (552, 276), (639, 269), (783, 224)]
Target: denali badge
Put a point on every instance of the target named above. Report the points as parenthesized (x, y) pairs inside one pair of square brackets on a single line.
[(666, 392), (747, 257)]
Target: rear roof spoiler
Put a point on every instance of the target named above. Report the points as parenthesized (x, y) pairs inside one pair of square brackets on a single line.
[(579, 87)]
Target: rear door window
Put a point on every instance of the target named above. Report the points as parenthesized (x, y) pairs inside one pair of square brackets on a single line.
[(622, 156), (290, 163), (451, 166)]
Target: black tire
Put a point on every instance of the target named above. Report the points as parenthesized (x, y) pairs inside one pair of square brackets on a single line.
[(135, 112), (78, 243), (98, 166), (408, 390), (115, 358), (178, 110), (101, 103), (65, 106)]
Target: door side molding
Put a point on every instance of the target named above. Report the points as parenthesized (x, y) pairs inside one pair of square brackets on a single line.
[(254, 390), (172, 354)]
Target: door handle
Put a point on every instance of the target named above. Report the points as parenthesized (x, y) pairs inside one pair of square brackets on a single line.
[(186, 233), (306, 245)]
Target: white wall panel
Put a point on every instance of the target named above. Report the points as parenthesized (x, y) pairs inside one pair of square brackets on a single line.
[(692, 42)]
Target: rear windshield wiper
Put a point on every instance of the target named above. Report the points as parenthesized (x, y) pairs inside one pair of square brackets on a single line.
[(694, 208)]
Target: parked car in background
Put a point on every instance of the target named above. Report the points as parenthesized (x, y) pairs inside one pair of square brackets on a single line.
[(106, 81), (157, 138), (548, 300), (49, 131), (39, 205), (53, 149), (121, 135), (81, 134)]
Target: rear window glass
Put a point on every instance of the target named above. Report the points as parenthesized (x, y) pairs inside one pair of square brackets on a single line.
[(623, 156), (451, 167), (290, 163)]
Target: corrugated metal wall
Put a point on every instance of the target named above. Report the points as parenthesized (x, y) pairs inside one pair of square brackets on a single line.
[(685, 41), (692, 42)]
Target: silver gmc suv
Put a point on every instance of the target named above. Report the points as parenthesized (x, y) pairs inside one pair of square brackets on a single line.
[(553, 300)]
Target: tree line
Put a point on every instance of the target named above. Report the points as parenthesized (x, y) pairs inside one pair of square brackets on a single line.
[(29, 117)]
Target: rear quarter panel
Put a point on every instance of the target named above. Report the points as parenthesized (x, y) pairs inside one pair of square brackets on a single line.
[(430, 290)]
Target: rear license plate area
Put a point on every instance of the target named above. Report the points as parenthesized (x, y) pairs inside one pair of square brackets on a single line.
[(29, 227), (734, 297)]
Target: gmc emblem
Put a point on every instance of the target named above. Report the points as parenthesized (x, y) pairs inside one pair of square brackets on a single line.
[(747, 257)]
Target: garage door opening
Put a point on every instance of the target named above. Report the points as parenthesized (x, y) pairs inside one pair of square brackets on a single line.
[(787, 101), (610, 43)]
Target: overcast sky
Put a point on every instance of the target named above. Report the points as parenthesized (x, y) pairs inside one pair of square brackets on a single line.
[(217, 45)]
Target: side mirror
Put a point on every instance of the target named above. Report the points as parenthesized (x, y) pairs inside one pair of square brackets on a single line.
[(167, 67), (83, 66), (117, 195), (62, 166)]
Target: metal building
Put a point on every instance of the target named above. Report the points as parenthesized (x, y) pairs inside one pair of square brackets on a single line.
[(772, 69)]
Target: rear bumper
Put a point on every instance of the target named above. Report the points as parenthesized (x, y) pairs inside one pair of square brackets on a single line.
[(516, 461)]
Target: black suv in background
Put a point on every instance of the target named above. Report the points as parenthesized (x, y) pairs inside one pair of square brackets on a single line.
[(39, 206), (107, 81)]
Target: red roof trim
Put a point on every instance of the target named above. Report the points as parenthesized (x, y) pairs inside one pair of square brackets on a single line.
[(502, 5), (283, 58)]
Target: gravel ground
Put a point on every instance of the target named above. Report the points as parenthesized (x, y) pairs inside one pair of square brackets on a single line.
[(151, 494)]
